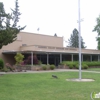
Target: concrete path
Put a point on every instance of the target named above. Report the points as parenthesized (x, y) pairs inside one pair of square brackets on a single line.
[(1, 73), (56, 70)]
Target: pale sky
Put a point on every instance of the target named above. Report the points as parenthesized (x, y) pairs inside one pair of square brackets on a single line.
[(58, 16)]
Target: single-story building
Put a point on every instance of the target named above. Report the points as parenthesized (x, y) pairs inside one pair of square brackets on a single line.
[(49, 49)]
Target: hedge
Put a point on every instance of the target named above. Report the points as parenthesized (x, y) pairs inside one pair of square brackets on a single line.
[(1, 64), (85, 64)]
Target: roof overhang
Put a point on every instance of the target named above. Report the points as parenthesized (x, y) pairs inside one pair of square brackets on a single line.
[(46, 52), (50, 49)]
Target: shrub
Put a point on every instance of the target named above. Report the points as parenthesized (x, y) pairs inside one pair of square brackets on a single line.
[(96, 63), (52, 67), (84, 66), (39, 62), (93, 63), (63, 63), (48, 66), (77, 66), (1, 64), (71, 66), (69, 63), (44, 67), (19, 58), (5, 69)]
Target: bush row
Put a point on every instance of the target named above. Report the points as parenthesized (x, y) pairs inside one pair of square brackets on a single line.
[(76, 65), (85, 64), (1, 64), (45, 67)]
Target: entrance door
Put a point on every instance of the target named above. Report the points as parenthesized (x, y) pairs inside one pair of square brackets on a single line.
[(57, 61)]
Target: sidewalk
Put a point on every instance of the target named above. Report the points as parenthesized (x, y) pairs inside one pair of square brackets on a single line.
[(42, 71), (45, 71)]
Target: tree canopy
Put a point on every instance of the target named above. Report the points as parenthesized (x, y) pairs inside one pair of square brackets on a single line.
[(8, 24), (97, 29), (74, 40), (55, 35)]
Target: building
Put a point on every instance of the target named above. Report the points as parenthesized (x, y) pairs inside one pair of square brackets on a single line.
[(49, 49)]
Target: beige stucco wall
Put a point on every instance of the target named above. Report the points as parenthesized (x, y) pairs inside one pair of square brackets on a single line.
[(30, 39), (38, 39), (34, 39)]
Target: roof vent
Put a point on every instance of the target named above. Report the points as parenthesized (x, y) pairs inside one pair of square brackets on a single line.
[(24, 44)]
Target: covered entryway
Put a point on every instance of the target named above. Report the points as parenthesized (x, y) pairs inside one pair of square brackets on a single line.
[(49, 57)]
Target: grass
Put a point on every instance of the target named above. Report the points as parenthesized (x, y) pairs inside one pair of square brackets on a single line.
[(93, 69), (41, 86)]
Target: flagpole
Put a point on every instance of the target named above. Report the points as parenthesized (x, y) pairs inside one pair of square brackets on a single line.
[(79, 21)]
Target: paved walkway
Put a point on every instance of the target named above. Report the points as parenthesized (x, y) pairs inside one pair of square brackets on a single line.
[(56, 70)]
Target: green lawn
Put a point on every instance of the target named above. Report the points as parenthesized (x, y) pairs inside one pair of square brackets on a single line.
[(41, 86), (93, 69)]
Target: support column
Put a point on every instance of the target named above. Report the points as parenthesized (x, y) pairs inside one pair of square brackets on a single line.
[(31, 58), (60, 57), (47, 58), (90, 57), (72, 57)]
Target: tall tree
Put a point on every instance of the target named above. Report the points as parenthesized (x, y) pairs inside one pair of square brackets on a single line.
[(8, 25), (55, 35), (74, 40), (97, 29)]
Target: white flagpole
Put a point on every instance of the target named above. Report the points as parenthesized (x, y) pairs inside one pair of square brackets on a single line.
[(79, 21)]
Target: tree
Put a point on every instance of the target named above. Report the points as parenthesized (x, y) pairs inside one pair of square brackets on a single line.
[(55, 35), (74, 40), (97, 29), (8, 25), (29, 59)]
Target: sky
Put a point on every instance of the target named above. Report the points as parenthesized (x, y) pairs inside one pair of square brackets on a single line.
[(58, 16)]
